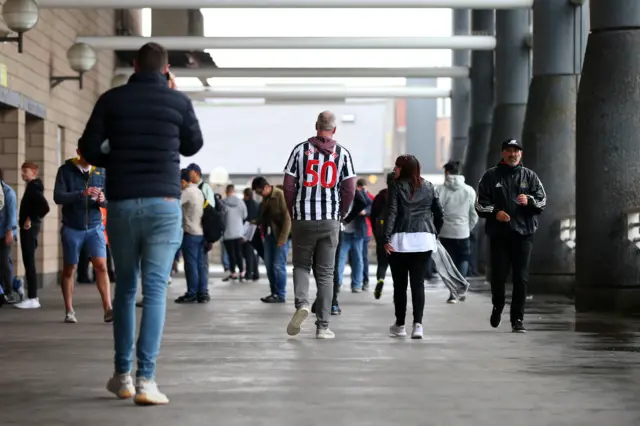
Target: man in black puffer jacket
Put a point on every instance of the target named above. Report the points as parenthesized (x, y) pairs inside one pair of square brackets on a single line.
[(510, 197), (137, 132)]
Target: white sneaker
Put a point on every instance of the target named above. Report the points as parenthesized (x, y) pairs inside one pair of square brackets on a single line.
[(147, 393), (418, 331), (325, 333), (28, 304), (121, 385), (398, 331), (70, 318), (298, 318)]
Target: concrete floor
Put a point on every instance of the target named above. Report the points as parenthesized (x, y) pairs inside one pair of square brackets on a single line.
[(231, 363)]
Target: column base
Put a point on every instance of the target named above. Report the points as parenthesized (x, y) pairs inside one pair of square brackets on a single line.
[(625, 301)]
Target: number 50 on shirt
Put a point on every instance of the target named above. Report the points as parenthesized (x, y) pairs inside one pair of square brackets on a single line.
[(325, 174)]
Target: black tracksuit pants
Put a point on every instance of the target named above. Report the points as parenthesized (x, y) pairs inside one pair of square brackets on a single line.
[(510, 251)]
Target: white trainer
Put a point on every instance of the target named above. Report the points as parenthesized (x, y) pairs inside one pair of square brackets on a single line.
[(70, 317), (397, 331), (28, 304), (121, 385), (295, 325), (325, 334), (147, 393), (418, 331)]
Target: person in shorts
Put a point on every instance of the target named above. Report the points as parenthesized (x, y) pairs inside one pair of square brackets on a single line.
[(79, 190)]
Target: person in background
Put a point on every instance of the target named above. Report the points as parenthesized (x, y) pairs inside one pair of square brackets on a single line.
[(460, 217), (79, 190), (9, 227), (377, 220), (275, 221), (195, 176), (224, 256), (362, 188), (510, 197), (33, 208), (194, 246), (250, 257), (234, 233), (355, 231), (138, 131), (412, 221)]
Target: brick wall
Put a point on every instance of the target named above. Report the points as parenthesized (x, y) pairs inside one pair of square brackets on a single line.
[(25, 137)]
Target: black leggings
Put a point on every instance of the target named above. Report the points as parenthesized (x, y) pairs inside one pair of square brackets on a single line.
[(29, 244), (408, 268), (234, 251)]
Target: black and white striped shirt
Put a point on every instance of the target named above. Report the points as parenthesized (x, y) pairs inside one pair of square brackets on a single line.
[(318, 178)]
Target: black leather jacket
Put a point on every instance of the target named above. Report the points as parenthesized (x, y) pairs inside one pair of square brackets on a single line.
[(421, 212)]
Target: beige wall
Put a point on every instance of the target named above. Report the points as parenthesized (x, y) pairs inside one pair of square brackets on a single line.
[(25, 137)]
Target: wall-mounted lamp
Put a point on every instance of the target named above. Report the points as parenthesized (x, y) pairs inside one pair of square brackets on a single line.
[(81, 59), (19, 16)]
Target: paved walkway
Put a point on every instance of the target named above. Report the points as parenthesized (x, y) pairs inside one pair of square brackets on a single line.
[(230, 363)]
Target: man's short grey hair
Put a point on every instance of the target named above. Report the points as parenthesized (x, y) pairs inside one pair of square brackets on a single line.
[(326, 121)]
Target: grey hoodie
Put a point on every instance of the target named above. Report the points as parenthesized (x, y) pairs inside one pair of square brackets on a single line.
[(458, 203), (235, 217)]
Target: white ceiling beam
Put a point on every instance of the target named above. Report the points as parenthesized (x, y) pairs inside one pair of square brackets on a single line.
[(279, 4), (460, 42)]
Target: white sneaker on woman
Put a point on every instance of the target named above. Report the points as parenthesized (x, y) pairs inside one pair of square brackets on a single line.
[(121, 385), (397, 331), (147, 393), (418, 331)]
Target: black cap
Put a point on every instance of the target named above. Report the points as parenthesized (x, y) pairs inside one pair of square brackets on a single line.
[(511, 143)]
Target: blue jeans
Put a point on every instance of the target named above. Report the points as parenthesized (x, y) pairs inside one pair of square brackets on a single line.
[(275, 260), (145, 234), (224, 257), (365, 261), (195, 264), (351, 245)]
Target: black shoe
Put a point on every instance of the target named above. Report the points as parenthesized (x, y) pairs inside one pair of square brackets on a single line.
[(267, 298), (365, 287), (204, 297), (3, 299), (496, 317), (518, 327), (313, 308), (335, 310), (256, 278), (274, 299), (187, 298), (378, 291), (229, 278)]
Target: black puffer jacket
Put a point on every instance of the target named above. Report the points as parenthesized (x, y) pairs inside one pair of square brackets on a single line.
[(148, 126), (499, 189), (406, 213)]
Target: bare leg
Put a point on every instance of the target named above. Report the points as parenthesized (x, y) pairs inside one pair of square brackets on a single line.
[(102, 281), (68, 283)]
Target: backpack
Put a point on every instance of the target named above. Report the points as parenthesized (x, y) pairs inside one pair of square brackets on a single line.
[(212, 221)]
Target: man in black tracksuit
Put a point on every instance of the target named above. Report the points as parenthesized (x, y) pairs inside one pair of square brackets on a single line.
[(510, 197)]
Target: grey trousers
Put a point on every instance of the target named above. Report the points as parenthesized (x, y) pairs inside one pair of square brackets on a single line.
[(319, 237)]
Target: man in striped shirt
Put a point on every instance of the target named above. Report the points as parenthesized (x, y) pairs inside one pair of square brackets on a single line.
[(319, 187)]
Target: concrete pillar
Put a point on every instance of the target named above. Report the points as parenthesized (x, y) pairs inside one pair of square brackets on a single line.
[(41, 148), (549, 136), (482, 101), (513, 74), (461, 90), (607, 154), (12, 150)]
